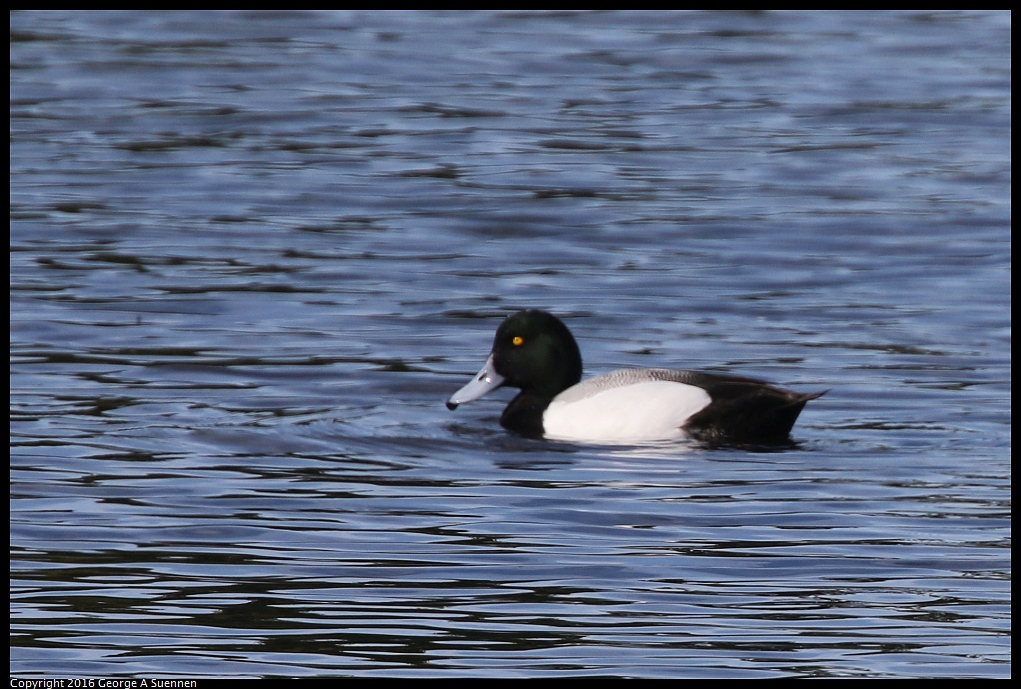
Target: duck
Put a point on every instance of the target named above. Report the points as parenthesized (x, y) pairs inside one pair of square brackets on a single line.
[(535, 352)]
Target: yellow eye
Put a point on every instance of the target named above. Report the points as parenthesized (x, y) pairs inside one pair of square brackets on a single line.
[(518, 340)]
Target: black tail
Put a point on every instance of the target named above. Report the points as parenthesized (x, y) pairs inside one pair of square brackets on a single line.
[(749, 413)]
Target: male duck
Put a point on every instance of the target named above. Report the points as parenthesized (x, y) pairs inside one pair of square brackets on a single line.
[(534, 351)]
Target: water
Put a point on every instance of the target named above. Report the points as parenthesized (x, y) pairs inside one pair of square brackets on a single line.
[(252, 254)]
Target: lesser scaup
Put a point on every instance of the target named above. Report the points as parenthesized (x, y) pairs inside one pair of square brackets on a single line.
[(534, 351)]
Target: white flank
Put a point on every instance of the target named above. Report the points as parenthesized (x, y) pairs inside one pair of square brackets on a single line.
[(635, 412)]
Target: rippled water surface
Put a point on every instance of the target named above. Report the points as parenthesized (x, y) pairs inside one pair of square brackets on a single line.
[(252, 254)]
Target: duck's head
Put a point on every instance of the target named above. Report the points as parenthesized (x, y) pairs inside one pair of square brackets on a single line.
[(533, 350)]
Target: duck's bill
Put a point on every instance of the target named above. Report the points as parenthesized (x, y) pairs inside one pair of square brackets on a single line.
[(484, 382)]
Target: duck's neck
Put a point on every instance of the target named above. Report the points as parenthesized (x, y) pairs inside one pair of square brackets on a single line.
[(524, 414)]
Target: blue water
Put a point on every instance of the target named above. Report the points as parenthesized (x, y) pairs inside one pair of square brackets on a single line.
[(253, 253)]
